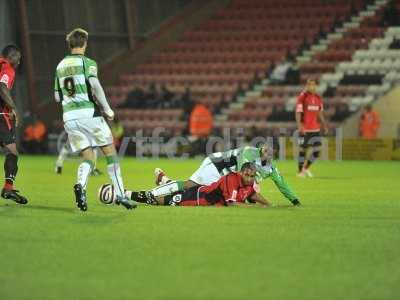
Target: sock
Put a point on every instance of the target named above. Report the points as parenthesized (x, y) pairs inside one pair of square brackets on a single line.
[(168, 200), (168, 189), (10, 170), (129, 194), (302, 155), (62, 156), (312, 159), (164, 180), (114, 171), (95, 155), (136, 197), (84, 170)]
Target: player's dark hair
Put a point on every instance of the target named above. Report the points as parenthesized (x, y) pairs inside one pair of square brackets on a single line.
[(7, 50), (77, 38), (248, 166), (312, 80)]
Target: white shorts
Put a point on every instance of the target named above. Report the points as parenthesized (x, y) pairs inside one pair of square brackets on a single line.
[(85, 133), (206, 174)]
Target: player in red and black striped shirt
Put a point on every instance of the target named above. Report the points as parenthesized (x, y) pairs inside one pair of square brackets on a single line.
[(309, 118), (9, 61), (234, 188)]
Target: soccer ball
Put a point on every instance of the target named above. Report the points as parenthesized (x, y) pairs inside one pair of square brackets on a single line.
[(106, 194)]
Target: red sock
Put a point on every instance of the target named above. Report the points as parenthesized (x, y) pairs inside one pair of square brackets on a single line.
[(8, 186)]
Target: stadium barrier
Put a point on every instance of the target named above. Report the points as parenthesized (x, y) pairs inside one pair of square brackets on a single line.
[(351, 149), (333, 148)]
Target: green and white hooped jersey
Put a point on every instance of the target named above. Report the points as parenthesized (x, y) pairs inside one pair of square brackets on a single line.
[(232, 161), (73, 87)]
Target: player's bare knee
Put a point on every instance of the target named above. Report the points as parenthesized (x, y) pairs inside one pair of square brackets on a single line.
[(108, 150), (160, 200), (88, 154), (11, 149)]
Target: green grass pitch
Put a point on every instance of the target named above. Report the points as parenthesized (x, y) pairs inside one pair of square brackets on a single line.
[(344, 243)]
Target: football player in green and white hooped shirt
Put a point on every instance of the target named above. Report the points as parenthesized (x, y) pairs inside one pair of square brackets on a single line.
[(219, 164), (76, 85)]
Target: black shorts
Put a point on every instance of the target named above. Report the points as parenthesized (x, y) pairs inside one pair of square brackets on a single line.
[(7, 131), (310, 139), (195, 197)]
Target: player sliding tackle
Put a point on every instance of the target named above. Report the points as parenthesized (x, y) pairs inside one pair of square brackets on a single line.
[(77, 87), (219, 164)]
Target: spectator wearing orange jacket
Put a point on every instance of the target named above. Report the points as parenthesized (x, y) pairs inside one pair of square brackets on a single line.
[(369, 123), (35, 135), (200, 121)]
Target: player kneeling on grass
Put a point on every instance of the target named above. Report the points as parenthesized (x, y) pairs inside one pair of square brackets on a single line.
[(231, 189), (218, 164), (77, 87)]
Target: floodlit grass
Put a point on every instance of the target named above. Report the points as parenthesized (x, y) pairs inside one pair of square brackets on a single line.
[(342, 244)]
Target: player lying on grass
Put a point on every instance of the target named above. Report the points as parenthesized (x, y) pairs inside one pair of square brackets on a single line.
[(231, 189), (222, 163)]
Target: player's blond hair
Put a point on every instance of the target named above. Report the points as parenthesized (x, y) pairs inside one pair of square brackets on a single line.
[(77, 38)]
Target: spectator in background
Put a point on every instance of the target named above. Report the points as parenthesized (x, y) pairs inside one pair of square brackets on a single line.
[(166, 97), (293, 74), (200, 121), (187, 103), (321, 34), (256, 78), (279, 74), (117, 131), (239, 92), (369, 123), (135, 98), (390, 15), (152, 96), (224, 103), (35, 137), (200, 127), (342, 112), (304, 45), (395, 45)]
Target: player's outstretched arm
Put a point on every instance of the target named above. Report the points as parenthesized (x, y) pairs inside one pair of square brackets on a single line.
[(260, 199), (283, 187), (98, 92)]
